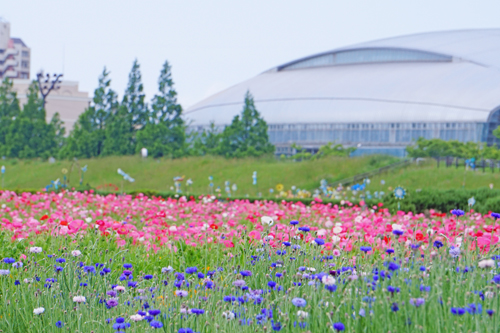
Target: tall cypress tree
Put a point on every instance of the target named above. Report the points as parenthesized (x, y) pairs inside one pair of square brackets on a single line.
[(247, 134), (165, 132)]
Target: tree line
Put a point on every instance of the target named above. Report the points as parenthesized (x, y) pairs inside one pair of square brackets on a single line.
[(112, 127), (439, 148)]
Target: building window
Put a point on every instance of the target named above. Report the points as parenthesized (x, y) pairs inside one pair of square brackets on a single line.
[(24, 64), (26, 54)]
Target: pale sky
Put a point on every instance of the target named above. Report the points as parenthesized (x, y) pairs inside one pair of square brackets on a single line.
[(214, 44)]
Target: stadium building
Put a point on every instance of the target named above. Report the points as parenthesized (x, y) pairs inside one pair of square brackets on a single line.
[(379, 96)]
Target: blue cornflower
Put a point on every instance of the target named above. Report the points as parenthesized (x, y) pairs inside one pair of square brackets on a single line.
[(496, 279), (304, 229), (58, 268), (398, 232), (392, 266), (299, 302), (457, 212), (127, 272), (294, 222), (458, 311), (490, 312), (287, 243), (156, 324), (319, 241), (191, 270), (148, 277), (422, 268), (425, 288), (89, 269), (276, 326), (121, 324), (474, 308), (132, 284), (127, 266), (199, 311), (16, 283), (271, 284), (9, 260), (365, 248), (495, 215), (59, 324), (394, 307), (246, 273), (339, 326), (154, 313), (438, 244), (201, 275), (229, 298), (393, 290), (60, 260), (331, 288), (389, 251)]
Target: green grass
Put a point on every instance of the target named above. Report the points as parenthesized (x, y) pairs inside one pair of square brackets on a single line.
[(429, 176), (158, 174)]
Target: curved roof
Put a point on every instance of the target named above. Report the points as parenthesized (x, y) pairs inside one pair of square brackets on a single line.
[(429, 77)]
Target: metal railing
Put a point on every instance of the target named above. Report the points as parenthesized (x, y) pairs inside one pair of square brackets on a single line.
[(362, 176)]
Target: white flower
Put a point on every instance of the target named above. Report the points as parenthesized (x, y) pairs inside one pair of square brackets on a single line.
[(321, 232), (38, 311), (328, 280), (35, 249), (28, 280), (166, 270), (302, 314), (358, 219), (3, 206), (79, 299), (311, 269), (88, 219), (397, 227), (487, 263), (76, 253), (228, 315), (335, 239), (173, 228), (337, 230), (266, 220), (489, 294), (136, 317)]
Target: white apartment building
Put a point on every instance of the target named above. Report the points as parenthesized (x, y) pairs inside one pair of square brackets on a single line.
[(14, 55)]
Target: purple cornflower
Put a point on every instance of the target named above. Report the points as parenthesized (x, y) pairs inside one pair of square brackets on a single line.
[(127, 272), (417, 302), (111, 293), (454, 251), (112, 302)]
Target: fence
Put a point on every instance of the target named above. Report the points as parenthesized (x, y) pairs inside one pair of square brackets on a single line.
[(362, 176), (457, 162)]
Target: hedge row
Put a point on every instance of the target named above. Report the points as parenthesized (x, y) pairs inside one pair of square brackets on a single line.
[(487, 200)]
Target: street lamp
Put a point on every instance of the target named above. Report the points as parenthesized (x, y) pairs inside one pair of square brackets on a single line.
[(46, 84)]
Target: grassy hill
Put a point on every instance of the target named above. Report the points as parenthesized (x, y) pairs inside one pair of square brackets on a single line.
[(158, 174)]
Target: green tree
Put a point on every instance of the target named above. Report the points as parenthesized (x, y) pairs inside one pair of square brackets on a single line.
[(29, 135), (88, 136), (165, 131), (247, 134)]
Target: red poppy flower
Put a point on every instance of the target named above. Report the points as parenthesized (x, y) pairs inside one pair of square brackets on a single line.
[(63, 223), (214, 226), (44, 217)]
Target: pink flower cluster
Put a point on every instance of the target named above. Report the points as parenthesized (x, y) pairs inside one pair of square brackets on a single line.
[(156, 222)]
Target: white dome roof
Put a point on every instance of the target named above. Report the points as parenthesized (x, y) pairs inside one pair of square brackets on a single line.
[(429, 77)]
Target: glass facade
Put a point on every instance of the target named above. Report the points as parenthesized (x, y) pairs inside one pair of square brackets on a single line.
[(374, 134), (368, 55)]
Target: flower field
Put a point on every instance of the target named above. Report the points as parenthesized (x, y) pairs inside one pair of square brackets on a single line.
[(79, 262)]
